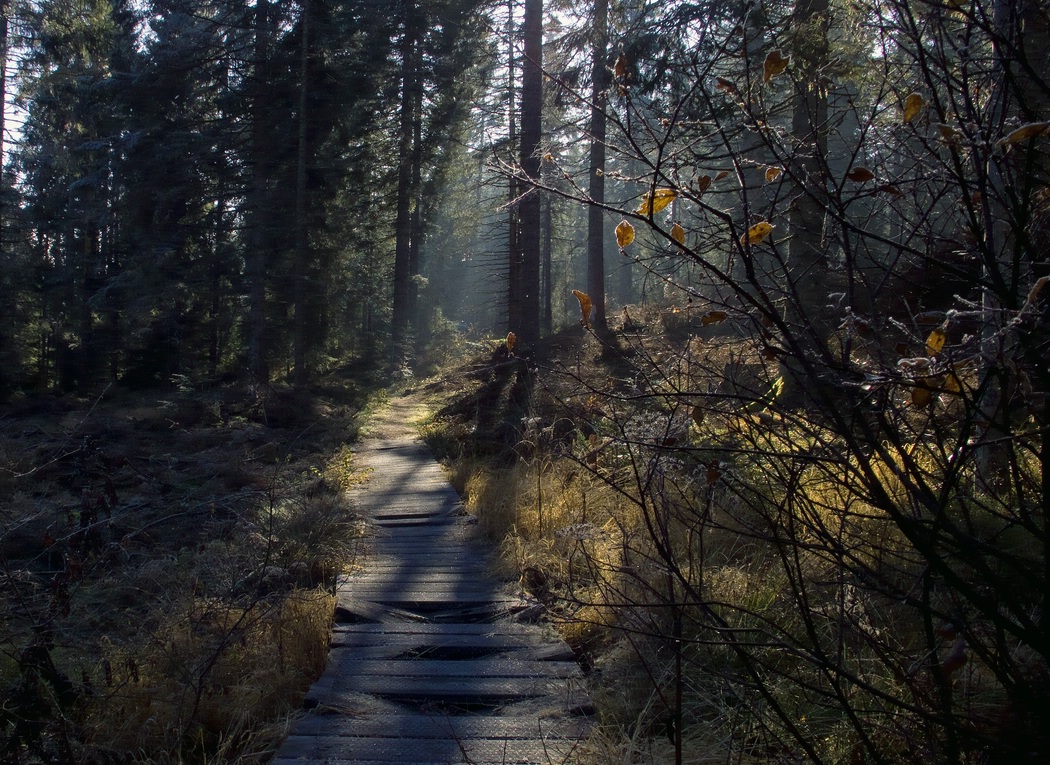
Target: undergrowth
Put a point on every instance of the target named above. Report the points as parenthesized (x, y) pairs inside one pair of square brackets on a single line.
[(743, 581), (167, 571)]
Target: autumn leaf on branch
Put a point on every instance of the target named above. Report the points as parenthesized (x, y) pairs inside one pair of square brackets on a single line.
[(585, 307), (772, 173), (713, 317), (1026, 133), (860, 174), (512, 340), (774, 65), (935, 341), (624, 234), (726, 86), (913, 106), (678, 233), (656, 200), (757, 233)]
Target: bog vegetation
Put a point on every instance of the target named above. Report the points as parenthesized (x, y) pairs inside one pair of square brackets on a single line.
[(765, 428)]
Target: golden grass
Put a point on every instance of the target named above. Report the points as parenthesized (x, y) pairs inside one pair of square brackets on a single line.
[(210, 673)]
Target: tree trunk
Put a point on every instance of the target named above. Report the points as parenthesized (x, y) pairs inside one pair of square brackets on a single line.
[(405, 195), (596, 167), (258, 242), (301, 375), (807, 259), (513, 223), (530, 208)]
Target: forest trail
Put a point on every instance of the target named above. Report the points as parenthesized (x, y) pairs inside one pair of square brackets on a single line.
[(431, 661)]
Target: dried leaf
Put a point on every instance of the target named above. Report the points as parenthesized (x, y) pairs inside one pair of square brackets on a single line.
[(952, 383), (935, 341), (698, 415), (722, 174), (585, 307), (921, 396), (678, 233), (624, 234), (620, 69), (714, 472), (657, 200), (948, 134), (775, 64), (913, 106), (712, 317), (892, 190), (1026, 132), (703, 183), (512, 340), (727, 86), (757, 233), (772, 173), (860, 174)]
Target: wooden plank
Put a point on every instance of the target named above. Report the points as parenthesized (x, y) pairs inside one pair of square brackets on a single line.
[(441, 726), (456, 690), (340, 749), (348, 662), (348, 609), (440, 630)]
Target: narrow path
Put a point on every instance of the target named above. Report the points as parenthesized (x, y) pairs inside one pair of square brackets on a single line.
[(430, 662)]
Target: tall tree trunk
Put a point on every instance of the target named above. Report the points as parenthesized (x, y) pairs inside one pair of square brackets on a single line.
[(807, 259), (547, 272), (596, 167), (7, 359), (301, 374), (400, 321), (256, 256), (531, 132), (513, 223)]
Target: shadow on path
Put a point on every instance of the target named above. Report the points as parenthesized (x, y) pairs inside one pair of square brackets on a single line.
[(428, 662)]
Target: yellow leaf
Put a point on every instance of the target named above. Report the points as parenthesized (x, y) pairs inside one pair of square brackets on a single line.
[(1026, 132), (656, 201), (585, 307), (772, 173), (678, 233), (624, 234), (757, 233), (935, 342), (712, 317), (860, 174), (774, 65), (512, 340), (913, 106), (952, 384)]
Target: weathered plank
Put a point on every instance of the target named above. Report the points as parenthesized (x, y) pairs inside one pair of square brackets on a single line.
[(337, 750), (349, 663), (453, 690), (441, 726)]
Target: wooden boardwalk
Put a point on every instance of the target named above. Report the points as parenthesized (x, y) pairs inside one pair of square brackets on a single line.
[(430, 661)]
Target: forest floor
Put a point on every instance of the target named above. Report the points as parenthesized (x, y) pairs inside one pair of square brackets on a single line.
[(167, 560), (165, 565)]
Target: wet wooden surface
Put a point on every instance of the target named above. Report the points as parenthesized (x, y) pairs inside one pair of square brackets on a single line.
[(431, 661)]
